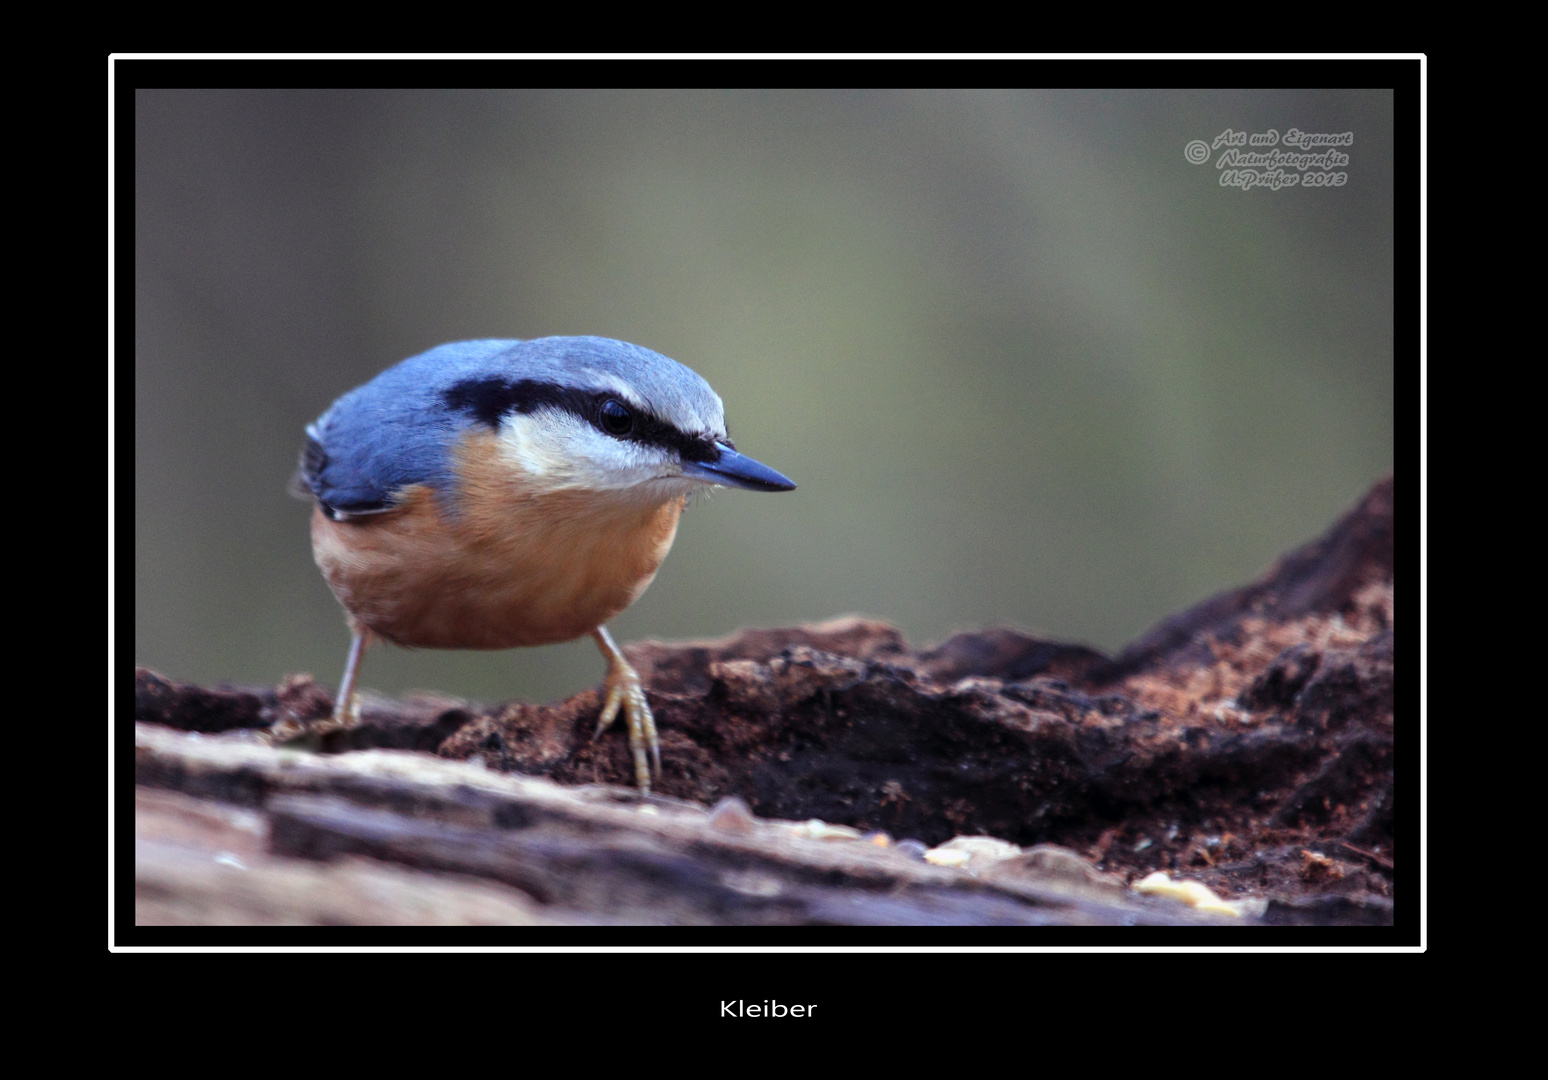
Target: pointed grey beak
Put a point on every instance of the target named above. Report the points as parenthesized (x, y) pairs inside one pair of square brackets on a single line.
[(737, 470)]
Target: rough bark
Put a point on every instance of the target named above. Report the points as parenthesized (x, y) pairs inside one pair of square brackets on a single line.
[(1246, 744)]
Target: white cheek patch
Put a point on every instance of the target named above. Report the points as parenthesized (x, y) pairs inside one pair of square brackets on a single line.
[(556, 450), (532, 444)]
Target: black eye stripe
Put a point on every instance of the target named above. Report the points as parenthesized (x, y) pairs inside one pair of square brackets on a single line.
[(487, 400)]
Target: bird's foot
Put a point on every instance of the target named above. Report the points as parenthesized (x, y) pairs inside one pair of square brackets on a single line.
[(625, 692), (346, 708), (314, 734)]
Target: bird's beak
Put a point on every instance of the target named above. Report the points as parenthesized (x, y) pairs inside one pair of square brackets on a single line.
[(737, 470)]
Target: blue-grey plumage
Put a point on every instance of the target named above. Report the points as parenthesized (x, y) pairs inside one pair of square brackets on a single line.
[(490, 494)]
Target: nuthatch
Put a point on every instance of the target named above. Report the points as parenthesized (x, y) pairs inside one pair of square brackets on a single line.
[(490, 494)]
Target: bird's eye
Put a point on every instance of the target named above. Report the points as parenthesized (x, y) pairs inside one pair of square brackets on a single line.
[(616, 417)]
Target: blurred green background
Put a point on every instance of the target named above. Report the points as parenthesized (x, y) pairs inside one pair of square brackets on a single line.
[(1027, 363)]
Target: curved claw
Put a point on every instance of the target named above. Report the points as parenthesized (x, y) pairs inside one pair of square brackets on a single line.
[(626, 692)]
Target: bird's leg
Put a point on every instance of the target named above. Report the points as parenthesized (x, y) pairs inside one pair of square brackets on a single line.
[(624, 690), (346, 707)]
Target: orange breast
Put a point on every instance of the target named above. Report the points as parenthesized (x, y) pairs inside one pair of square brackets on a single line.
[(498, 565)]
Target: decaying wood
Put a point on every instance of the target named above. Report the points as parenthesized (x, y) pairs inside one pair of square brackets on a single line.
[(1246, 744)]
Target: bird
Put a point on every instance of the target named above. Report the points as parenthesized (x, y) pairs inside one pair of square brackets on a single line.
[(502, 493)]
